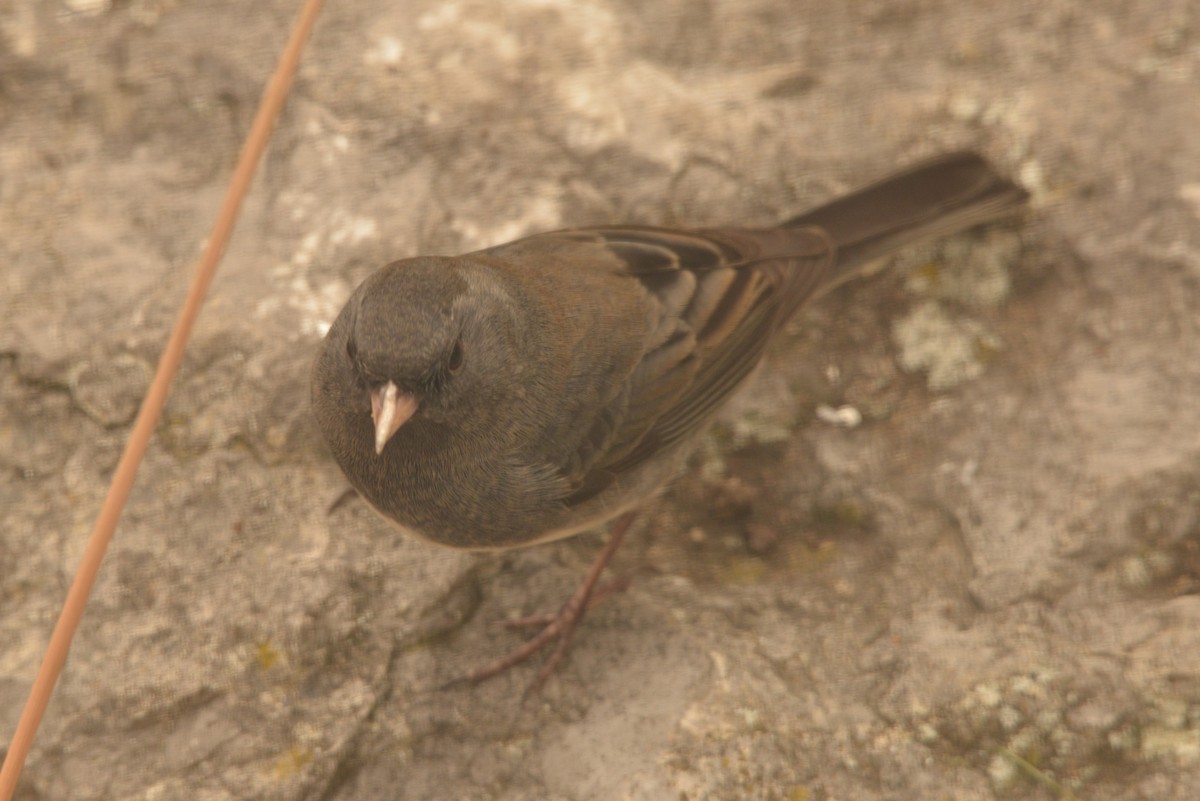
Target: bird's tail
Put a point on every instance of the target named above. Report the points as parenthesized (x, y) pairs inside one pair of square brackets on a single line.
[(938, 197)]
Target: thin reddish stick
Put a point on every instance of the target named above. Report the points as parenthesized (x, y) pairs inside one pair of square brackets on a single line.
[(143, 427)]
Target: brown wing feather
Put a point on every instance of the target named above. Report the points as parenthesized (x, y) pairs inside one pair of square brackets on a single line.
[(721, 293)]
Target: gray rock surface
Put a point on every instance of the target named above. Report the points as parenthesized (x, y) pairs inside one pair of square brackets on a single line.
[(990, 588)]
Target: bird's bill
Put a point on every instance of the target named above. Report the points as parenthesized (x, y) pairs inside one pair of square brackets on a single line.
[(390, 409)]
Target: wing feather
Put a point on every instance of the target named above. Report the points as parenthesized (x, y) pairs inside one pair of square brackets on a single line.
[(721, 294)]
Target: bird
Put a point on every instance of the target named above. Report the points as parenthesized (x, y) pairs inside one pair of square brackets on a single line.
[(532, 390)]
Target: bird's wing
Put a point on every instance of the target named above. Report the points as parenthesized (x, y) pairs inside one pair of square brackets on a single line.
[(720, 295)]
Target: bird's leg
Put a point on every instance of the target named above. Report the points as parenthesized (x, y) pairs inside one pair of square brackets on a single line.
[(560, 626)]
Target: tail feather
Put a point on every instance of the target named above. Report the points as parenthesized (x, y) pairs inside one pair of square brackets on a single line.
[(938, 197)]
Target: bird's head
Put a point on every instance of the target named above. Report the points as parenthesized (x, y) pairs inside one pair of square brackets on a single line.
[(432, 339)]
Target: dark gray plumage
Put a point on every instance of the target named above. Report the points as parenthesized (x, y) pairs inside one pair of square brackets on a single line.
[(558, 380)]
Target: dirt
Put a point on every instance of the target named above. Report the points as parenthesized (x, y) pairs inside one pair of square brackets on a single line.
[(947, 547)]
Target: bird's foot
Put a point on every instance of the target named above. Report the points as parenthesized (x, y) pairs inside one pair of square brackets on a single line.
[(560, 625)]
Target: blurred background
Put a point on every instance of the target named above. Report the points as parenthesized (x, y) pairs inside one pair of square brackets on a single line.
[(948, 546)]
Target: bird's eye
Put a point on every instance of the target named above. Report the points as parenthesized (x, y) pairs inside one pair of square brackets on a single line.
[(456, 357)]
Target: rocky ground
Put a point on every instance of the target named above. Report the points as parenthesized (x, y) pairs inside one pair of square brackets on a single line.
[(988, 588)]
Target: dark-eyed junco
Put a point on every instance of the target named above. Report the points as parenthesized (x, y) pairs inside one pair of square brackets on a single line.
[(535, 389)]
